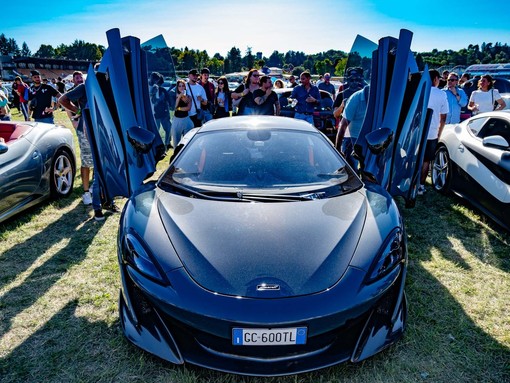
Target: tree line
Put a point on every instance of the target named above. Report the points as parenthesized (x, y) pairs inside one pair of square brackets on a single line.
[(332, 61)]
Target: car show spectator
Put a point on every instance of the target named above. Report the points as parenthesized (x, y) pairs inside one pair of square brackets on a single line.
[(439, 105), (42, 99), (464, 78), (74, 101), (207, 104), (244, 93), (21, 89), (351, 124), (181, 123), (266, 98), (327, 85), (162, 104), (197, 96), (223, 99), (307, 97), (292, 81), (5, 111), (457, 98), (486, 98)]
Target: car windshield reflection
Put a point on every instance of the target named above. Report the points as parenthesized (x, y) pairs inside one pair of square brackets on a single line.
[(261, 161)]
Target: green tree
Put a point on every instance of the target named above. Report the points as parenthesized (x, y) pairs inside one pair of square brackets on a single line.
[(25, 51), (45, 51)]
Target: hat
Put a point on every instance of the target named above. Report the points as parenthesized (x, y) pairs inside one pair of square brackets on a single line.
[(34, 72), (355, 72), (205, 70), (193, 71)]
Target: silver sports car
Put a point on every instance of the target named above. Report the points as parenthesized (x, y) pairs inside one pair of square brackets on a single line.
[(37, 161)]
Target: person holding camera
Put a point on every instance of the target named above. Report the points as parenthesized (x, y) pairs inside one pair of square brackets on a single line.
[(42, 99)]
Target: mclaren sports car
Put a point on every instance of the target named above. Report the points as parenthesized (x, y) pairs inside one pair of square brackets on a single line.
[(259, 251)]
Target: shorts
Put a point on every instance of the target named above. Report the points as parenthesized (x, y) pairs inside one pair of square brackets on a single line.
[(85, 152), (430, 150)]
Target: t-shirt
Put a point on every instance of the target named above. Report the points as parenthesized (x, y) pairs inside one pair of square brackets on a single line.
[(78, 95), (268, 106), (439, 105), (328, 87), (485, 100), (196, 90), (43, 95), (355, 109)]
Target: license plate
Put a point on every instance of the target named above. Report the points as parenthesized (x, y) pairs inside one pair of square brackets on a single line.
[(268, 336)]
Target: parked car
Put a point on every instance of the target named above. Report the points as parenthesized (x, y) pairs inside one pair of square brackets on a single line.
[(473, 161), (259, 251), (37, 161), (322, 116)]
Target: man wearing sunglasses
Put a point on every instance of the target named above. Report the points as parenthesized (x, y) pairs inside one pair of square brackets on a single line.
[(457, 98)]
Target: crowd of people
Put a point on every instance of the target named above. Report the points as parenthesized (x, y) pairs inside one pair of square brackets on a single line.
[(198, 100)]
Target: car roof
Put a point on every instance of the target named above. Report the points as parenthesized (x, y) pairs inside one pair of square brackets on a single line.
[(257, 122)]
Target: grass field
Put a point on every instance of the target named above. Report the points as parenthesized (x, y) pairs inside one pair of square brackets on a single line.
[(59, 286)]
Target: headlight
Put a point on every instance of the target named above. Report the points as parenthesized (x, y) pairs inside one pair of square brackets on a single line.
[(135, 254), (390, 255)]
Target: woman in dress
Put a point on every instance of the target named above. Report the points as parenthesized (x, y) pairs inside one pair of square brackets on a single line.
[(181, 123), (483, 99), (223, 99), (244, 93)]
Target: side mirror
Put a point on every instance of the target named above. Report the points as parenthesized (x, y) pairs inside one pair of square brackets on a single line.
[(3, 148), (378, 140), (140, 139), (496, 142)]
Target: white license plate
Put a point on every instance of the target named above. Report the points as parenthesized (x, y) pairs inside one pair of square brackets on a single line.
[(268, 336)]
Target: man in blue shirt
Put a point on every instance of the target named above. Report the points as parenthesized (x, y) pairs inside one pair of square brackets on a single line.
[(307, 97), (353, 116), (457, 98)]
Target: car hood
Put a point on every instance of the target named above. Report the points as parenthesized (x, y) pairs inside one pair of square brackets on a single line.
[(264, 249)]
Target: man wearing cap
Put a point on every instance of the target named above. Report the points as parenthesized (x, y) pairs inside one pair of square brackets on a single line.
[(293, 82), (42, 99), (327, 85), (209, 91), (354, 82), (197, 93)]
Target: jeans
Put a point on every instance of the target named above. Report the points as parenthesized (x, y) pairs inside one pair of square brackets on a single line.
[(96, 193), (207, 115), (306, 117), (167, 127), (347, 149), (48, 120)]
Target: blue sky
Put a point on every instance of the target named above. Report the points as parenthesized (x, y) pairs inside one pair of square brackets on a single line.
[(311, 26)]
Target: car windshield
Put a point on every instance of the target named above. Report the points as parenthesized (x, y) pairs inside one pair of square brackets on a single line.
[(279, 162)]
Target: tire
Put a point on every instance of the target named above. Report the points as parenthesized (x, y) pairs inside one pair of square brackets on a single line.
[(62, 174), (441, 170)]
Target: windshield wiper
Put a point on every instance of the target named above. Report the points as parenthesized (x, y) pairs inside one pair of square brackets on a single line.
[(280, 197), (196, 194)]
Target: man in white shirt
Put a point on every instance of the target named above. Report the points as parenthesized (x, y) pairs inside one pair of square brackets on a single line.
[(197, 93), (438, 102)]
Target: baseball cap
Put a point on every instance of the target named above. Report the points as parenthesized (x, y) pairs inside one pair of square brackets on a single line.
[(34, 73), (205, 70), (193, 71)]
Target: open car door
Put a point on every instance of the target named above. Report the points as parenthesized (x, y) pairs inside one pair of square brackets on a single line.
[(392, 140), (120, 124)]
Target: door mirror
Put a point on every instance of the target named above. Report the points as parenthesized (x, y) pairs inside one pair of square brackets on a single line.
[(496, 142), (378, 140), (140, 139)]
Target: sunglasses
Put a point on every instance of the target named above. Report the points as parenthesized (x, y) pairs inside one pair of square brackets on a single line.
[(255, 75), (453, 79)]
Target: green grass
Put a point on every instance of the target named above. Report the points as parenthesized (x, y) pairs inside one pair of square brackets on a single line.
[(59, 286)]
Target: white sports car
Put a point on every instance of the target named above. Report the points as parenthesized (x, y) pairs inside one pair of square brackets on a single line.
[(473, 160)]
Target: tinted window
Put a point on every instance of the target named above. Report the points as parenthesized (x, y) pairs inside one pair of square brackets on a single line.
[(261, 159)]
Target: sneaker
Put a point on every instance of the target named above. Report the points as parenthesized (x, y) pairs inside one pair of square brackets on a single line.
[(87, 198), (421, 190), (98, 215), (111, 207)]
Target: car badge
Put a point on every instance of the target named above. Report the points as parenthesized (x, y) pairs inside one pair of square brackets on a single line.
[(268, 287)]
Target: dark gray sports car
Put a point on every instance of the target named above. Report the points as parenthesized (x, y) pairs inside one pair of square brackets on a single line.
[(36, 162), (259, 251)]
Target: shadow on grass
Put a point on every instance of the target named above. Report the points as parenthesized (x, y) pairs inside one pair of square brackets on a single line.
[(69, 227), (442, 342)]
